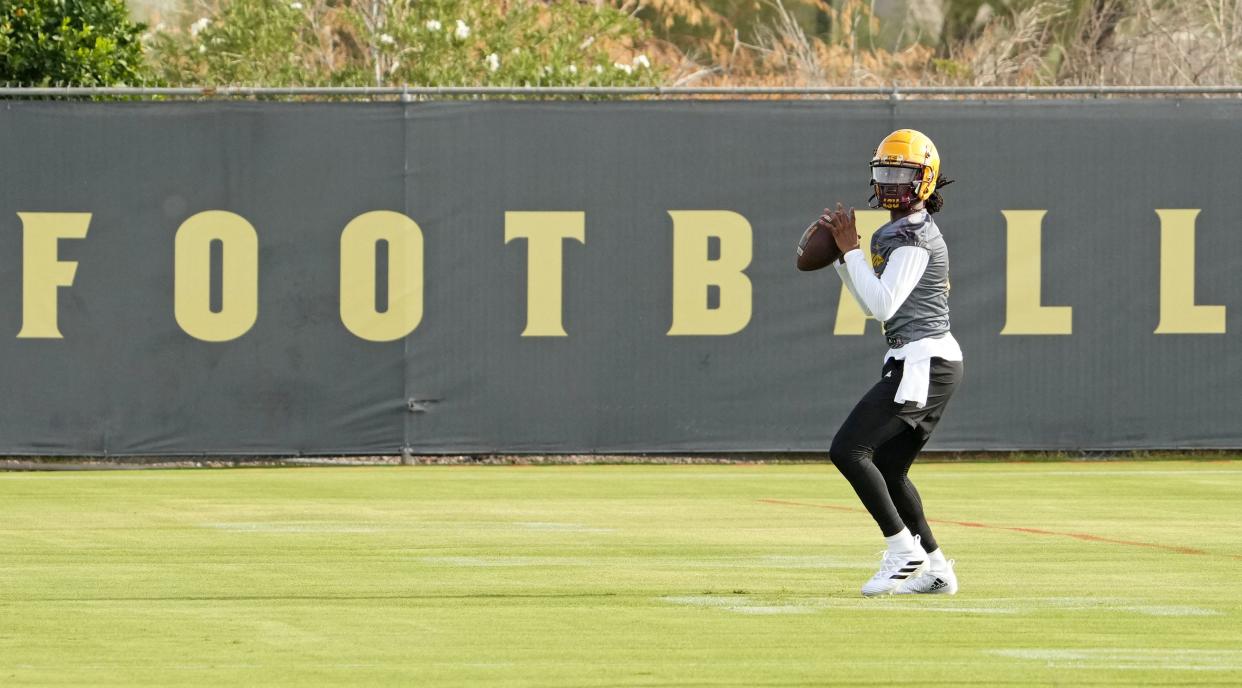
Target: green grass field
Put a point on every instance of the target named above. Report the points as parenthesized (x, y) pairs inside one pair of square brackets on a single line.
[(1120, 573)]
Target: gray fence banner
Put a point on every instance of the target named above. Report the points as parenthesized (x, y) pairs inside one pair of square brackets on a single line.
[(274, 278)]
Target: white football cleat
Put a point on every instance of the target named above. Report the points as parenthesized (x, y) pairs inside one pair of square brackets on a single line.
[(933, 581), (895, 568)]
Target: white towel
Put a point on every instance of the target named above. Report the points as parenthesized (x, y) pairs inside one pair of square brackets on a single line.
[(915, 380), (916, 376)]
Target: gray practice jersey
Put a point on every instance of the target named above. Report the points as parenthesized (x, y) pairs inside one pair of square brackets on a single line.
[(925, 313)]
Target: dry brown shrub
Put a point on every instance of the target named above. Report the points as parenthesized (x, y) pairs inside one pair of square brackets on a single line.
[(1051, 42)]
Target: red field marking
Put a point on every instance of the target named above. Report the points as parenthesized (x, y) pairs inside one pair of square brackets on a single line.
[(1086, 537), (834, 507)]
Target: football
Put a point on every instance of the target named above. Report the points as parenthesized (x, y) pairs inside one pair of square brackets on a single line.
[(817, 248)]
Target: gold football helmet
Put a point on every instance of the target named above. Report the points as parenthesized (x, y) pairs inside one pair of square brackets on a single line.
[(904, 169)]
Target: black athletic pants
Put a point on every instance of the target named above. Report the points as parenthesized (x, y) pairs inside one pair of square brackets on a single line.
[(879, 441)]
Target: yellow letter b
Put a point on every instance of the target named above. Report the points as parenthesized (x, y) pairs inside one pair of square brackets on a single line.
[(694, 272)]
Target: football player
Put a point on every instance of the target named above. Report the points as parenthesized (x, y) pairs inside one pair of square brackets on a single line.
[(906, 287)]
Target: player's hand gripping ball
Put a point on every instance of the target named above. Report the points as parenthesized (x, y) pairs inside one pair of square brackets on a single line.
[(844, 229), (818, 247)]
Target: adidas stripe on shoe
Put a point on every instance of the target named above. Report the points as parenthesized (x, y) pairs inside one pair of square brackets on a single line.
[(896, 568), (938, 581)]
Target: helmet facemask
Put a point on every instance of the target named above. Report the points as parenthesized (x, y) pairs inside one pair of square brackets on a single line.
[(896, 187)]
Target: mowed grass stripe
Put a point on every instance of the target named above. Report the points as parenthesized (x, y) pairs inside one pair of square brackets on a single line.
[(613, 576), (1017, 529)]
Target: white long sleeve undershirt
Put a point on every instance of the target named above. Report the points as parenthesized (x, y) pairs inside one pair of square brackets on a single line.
[(880, 297)]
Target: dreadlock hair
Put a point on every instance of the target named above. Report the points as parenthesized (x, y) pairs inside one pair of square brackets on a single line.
[(935, 202)]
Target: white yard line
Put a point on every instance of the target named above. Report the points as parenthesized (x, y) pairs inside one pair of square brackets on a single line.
[(941, 605), (1092, 473), (1129, 658)]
